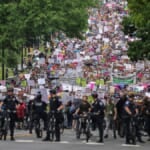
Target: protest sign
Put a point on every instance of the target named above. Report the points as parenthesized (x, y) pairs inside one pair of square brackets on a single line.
[(27, 76), (41, 81)]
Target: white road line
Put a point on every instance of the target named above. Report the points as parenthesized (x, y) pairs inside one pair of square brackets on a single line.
[(64, 142), (24, 141), (130, 145), (92, 143), (61, 142)]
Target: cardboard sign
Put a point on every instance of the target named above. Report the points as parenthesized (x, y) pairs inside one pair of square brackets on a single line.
[(41, 81), (31, 83), (41, 61), (44, 94), (34, 91)]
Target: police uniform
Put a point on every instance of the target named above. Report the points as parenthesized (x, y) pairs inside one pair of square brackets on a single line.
[(39, 111), (98, 109), (10, 103), (127, 119)]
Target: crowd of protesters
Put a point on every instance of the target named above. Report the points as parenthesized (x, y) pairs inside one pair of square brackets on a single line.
[(77, 68)]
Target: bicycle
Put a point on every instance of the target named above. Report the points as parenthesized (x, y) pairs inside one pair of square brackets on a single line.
[(132, 129), (39, 127), (83, 126), (51, 124), (5, 122), (61, 125)]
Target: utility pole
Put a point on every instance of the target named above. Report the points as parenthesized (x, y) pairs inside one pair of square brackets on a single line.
[(3, 65)]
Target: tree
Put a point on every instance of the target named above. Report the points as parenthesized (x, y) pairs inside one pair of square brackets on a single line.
[(24, 21), (138, 24)]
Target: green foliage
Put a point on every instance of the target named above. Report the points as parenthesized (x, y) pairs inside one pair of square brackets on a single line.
[(24, 21), (139, 18)]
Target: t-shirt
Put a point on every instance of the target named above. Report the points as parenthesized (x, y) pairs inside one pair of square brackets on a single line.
[(84, 107), (110, 109)]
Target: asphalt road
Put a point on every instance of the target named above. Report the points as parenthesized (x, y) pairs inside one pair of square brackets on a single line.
[(25, 141)]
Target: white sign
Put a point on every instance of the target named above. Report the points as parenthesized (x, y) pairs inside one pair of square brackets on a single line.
[(27, 76), (147, 94), (41, 61), (41, 81)]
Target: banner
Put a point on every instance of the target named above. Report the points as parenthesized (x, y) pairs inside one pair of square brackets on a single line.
[(130, 79)]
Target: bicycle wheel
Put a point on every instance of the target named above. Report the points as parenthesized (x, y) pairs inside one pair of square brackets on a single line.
[(40, 133), (37, 129), (78, 134), (133, 132), (122, 131), (5, 129), (61, 128), (87, 135), (52, 132), (78, 131)]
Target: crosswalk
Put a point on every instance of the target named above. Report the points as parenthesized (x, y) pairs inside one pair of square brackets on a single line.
[(72, 143), (61, 142)]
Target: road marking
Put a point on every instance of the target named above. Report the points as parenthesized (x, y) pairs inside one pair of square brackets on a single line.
[(94, 143), (24, 141), (23, 135), (64, 142), (130, 145), (31, 141)]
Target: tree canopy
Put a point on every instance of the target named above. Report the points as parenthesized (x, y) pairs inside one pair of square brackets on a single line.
[(22, 21), (138, 24)]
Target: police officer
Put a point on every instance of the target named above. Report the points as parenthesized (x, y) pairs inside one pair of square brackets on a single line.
[(146, 112), (98, 109), (39, 110), (10, 104), (129, 111), (55, 105), (1, 117)]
